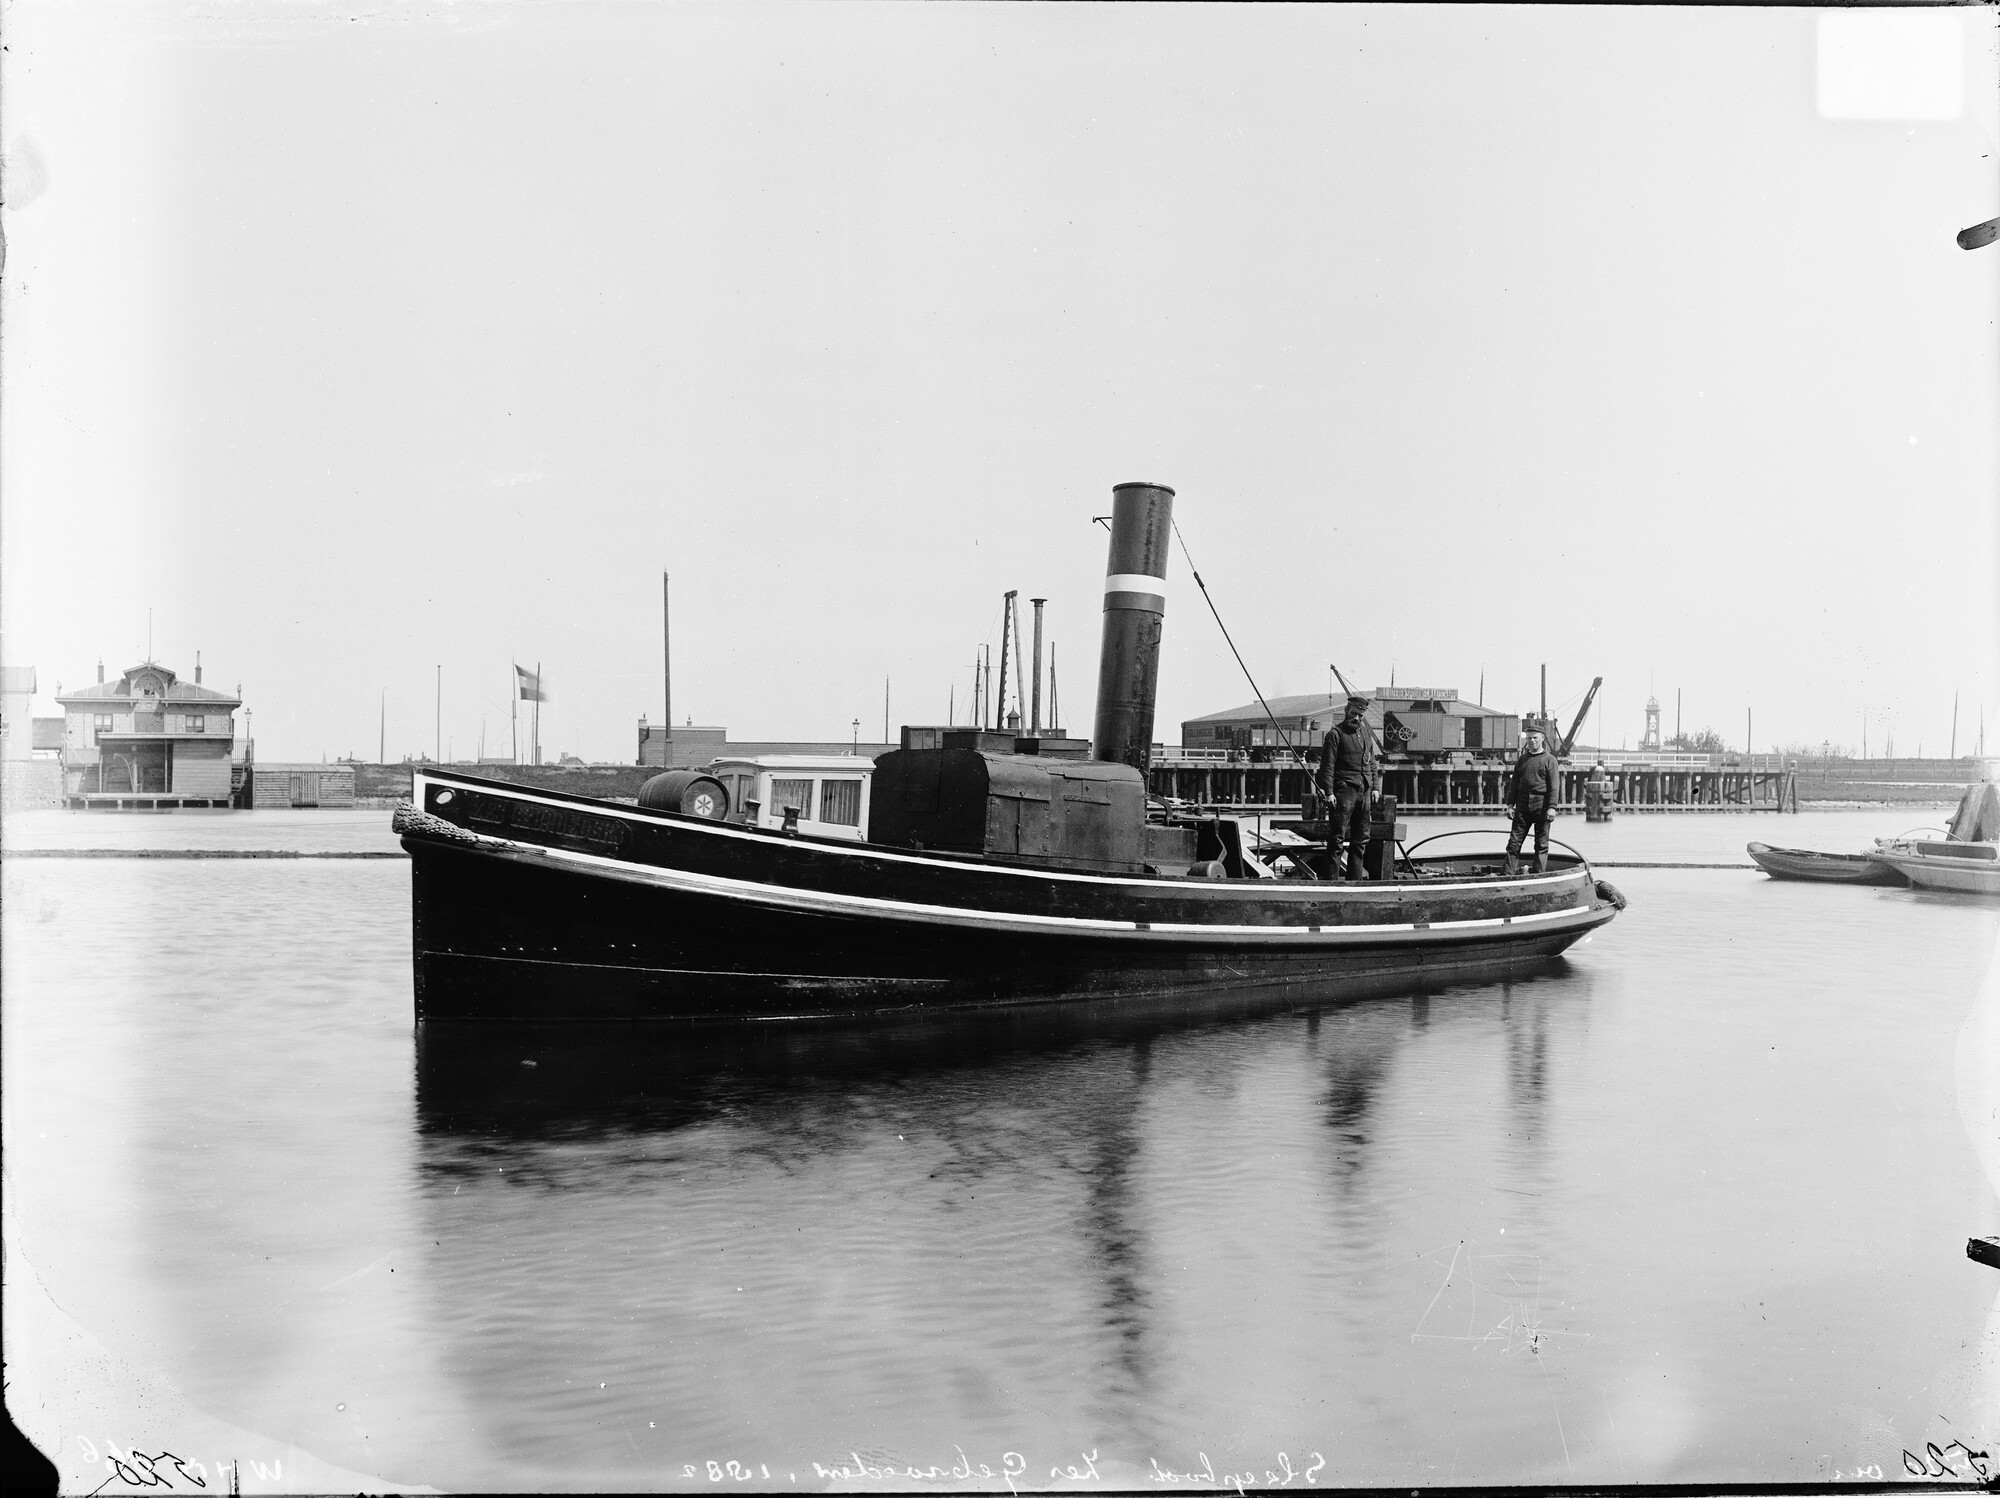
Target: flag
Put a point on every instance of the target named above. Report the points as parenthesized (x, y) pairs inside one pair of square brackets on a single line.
[(529, 685)]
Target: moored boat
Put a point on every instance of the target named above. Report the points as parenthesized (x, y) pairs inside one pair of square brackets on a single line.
[(989, 875), (1968, 868), (1825, 868), (1966, 859)]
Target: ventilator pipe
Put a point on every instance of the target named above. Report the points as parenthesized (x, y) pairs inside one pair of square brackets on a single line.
[(1135, 604)]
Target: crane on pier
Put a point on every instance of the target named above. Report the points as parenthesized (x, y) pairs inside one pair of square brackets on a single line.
[(1569, 739)]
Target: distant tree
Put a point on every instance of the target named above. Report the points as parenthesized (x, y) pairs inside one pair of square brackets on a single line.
[(1708, 741)]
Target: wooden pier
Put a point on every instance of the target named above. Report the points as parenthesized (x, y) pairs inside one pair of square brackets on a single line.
[(1465, 785)]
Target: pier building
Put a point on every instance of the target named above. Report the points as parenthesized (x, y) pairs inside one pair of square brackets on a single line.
[(1461, 783), (1421, 719), (147, 740)]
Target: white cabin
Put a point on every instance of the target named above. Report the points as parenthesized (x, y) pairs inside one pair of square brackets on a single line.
[(830, 791)]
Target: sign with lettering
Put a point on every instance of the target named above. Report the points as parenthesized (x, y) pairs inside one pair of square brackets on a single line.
[(559, 826)]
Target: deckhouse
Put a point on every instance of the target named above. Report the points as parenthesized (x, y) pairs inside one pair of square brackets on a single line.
[(147, 738)]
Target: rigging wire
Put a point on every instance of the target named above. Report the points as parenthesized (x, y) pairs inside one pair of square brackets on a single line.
[(1283, 737)]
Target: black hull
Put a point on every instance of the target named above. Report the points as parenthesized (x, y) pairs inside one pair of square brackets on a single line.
[(618, 914)]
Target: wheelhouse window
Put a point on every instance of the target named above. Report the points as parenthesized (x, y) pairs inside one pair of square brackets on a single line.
[(792, 793), (100, 724), (196, 723), (840, 802)]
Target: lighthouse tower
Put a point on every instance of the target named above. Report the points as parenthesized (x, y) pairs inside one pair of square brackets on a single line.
[(1651, 741)]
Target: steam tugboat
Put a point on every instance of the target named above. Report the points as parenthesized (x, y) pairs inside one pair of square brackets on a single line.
[(992, 873)]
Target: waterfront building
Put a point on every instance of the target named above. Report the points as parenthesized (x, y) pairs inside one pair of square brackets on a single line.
[(148, 738), (301, 784), (693, 745), (17, 697), (673, 748), (1436, 719), (30, 776)]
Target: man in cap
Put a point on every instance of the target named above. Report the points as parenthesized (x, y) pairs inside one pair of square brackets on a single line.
[(1532, 788), (1349, 779)]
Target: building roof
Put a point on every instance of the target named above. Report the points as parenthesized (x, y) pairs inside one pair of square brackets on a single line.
[(1319, 704), (174, 690)]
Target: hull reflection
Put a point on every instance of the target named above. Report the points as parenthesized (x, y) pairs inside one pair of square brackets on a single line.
[(527, 1080)]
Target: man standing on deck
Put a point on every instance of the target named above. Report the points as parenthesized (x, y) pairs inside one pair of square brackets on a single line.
[(1532, 788), (1348, 781)]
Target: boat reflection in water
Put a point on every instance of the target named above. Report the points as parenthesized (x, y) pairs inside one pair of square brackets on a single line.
[(1069, 1229)]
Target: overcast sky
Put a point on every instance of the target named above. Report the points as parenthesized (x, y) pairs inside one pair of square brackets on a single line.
[(1471, 338)]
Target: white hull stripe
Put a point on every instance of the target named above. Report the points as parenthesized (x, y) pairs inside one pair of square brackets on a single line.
[(1279, 889), (822, 902)]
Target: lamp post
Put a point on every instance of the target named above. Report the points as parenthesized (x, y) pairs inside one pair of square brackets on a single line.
[(857, 735)]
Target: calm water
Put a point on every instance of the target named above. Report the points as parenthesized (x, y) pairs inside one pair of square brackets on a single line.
[(1690, 1208)]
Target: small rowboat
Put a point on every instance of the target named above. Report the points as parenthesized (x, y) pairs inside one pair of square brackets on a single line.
[(1823, 868)]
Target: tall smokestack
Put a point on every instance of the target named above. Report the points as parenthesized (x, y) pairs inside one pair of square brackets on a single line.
[(1135, 603)]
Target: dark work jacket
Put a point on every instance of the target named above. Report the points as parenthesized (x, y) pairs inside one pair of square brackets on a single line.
[(1348, 758), (1535, 777)]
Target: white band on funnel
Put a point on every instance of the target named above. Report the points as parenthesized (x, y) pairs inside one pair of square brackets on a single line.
[(1135, 582)]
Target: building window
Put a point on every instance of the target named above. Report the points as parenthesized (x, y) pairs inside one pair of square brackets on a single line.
[(196, 722), (798, 793), (100, 725), (840, 802)]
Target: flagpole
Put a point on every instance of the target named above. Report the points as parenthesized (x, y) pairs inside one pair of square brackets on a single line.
[(538, 713), (667, 665), (514, 715)]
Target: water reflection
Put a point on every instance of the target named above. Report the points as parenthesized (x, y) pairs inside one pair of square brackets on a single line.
[(992, 1223), (527, 1081)]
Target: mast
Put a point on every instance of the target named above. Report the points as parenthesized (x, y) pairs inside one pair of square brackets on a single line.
[(1020, 694), (1006, 626), (667, 667), (1035, 711)]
